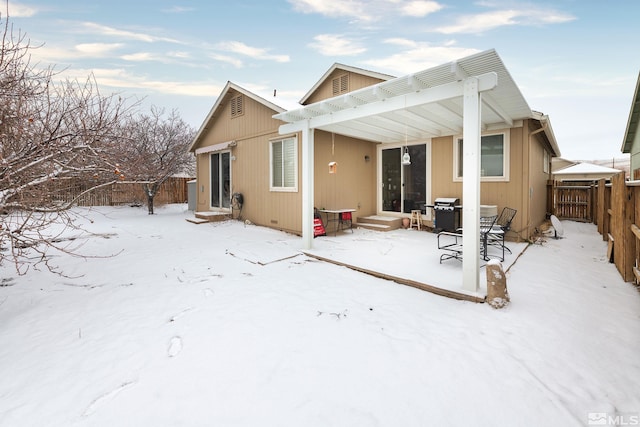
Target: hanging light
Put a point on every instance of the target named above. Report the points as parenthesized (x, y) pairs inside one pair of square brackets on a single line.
[(406, 158)]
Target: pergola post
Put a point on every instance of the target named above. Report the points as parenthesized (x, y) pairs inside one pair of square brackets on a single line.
[(307, 186), (471, 185)]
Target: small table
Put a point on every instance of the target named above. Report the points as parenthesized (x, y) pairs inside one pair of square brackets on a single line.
[(337, 216)]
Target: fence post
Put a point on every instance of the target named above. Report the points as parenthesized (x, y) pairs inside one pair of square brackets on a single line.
[(601, 208), (623, 212)]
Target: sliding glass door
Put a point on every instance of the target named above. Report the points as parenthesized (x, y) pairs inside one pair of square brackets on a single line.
[(221, 180), (404, 186)]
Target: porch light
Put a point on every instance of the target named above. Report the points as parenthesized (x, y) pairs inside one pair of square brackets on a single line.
[(333, 167), (406, 158)]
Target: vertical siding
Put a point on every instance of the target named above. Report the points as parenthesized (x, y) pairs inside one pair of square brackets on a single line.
[(356, 81), (250, 169), (354, 184), (442, 184), (513, 193), (538, 200)]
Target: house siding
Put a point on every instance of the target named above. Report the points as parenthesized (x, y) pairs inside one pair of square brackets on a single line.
[(353, 186), (635, 156), (356, 81), (356, 183), (513, 194), (250, 171)]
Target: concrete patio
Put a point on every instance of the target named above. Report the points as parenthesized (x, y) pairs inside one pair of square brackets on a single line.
[(406, 256)]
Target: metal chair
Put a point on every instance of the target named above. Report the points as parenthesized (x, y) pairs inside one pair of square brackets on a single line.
[(486, 227), (502, 225)]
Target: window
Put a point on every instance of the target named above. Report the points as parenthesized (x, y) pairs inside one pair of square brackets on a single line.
[(237, 108), (494, 158), (340, 84), (284, 165)]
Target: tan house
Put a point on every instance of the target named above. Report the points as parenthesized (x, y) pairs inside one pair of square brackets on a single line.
[(346, 142)]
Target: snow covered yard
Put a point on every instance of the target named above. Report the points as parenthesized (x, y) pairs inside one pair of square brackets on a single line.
[(227, 324)]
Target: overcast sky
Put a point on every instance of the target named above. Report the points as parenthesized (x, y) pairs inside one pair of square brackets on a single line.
[(574, 60)]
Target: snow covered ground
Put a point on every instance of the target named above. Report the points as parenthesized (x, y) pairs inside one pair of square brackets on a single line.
[(227, 324)]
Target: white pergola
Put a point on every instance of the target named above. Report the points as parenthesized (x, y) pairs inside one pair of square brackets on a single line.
[(465, 97)]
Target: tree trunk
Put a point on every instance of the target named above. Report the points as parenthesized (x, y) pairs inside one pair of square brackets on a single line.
[(150, 202), (151, 190)]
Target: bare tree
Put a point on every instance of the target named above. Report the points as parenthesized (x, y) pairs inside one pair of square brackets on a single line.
[(50, 133), (157, 150)]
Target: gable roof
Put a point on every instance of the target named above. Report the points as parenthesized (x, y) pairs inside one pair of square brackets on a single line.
[(545, 125), (348, 68), (219, 103), (348, 114), (633, 122)]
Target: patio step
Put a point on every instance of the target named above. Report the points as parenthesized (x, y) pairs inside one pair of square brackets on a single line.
[(379, 222), (210, 216)]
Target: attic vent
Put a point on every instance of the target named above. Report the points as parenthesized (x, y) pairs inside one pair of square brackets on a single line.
[(237, 108), (341, 84)]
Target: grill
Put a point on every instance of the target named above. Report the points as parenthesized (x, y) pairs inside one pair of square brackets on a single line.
[(447, 210)]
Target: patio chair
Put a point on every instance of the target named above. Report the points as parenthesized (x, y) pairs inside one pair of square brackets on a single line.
[(345, 221), (500, 228), (486, 228)]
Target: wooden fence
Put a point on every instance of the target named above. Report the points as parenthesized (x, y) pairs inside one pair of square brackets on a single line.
[(173, 190), (575, 201)]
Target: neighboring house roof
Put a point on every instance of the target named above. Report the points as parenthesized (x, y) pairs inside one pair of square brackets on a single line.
[(220, 101), (633, 122), (502, 106), (585, 171), (558, 163), (338, 66)]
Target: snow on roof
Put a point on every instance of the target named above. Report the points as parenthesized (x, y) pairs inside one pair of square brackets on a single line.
[(586, 168)]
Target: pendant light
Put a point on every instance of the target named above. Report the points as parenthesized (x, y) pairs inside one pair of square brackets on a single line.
[(406, 158)]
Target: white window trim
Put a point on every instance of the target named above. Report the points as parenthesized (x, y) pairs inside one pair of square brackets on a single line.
[(211, 206), (505, 161), (293, 189)]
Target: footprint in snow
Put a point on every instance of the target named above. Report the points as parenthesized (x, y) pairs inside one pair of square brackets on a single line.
[(175, 346)]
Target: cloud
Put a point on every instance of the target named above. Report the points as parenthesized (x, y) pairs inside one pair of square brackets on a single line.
[(336, 45), (96, 49), (366, 10), (19, 10), (487, 21), (119, 78), (254, 52), (416, 56), (178, 9), (125, 34), (420, 8), (166, 58), (228, 59)]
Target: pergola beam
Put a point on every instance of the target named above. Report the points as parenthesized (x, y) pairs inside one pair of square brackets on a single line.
[(413, 99)]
